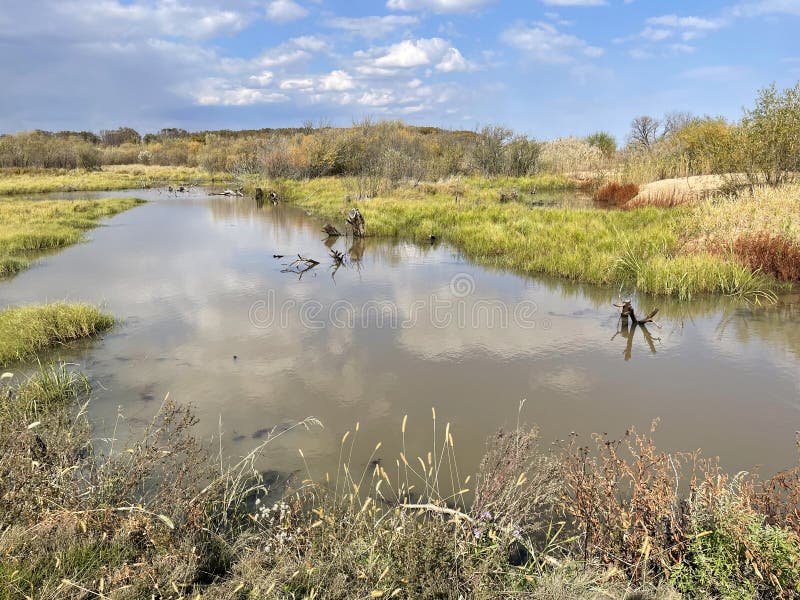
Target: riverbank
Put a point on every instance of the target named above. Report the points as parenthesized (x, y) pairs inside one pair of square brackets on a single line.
[(112, 177), (30, 227), (85, 517), (682, 251)]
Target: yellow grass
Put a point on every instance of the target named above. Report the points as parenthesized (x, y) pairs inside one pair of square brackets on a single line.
[(120, 177)]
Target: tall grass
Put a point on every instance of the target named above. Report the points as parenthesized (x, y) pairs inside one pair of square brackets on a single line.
[(27, 331)]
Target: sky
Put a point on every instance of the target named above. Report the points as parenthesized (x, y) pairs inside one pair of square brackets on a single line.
[(545, 68)]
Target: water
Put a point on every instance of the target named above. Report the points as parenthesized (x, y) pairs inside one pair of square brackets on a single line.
[(399, 329)]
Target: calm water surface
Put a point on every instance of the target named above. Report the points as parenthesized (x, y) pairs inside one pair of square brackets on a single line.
[(398, 329)]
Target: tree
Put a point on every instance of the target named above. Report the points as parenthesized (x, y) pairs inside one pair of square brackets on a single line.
[(117, 137), (644, 131), (771, 132), (603, 141), (487, 154), (675, 121), (522, 156)]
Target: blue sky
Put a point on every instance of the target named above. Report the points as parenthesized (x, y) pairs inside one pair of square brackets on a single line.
[(547, 68)]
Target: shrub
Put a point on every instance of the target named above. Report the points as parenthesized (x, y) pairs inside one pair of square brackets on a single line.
[(616, 193), (772, 253)]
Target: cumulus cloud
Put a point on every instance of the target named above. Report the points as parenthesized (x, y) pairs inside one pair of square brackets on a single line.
[(542, 42), (336, 81), (285, 11)]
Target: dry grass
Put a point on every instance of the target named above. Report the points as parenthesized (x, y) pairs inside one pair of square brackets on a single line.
[(39, 181), (622, 519), (615, 193)]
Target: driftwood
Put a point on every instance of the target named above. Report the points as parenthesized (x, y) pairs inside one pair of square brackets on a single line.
[(356, 221), (627, 313), (237, 192), (331, 230), (300, 266)]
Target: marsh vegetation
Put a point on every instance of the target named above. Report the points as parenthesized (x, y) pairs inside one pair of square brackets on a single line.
[(687, 207)]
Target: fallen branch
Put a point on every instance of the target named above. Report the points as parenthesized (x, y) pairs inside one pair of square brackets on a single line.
[(236, 192)]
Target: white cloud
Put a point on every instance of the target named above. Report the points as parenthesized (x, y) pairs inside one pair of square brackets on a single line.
[(285, 11), (297, 84), (439, 6), (452, 61), (309, 42), (261, 80), (543, 43), (685, 22), (174, 19), (413, 53), (338, 81), (372, 27)]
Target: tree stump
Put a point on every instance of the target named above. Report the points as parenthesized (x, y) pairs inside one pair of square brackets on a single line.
[(356, 221), (259, 195), (331, 230)]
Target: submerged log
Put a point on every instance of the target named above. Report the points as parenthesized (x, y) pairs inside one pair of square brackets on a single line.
[(331, 230), (356, 221)]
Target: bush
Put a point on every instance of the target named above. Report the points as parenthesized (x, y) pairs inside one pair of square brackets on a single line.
[(616, 193), (773, 254)]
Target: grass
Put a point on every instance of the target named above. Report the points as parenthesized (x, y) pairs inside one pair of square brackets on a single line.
[(645, 248), (28, 227), (159, 516), (39, 181), (27, 331)]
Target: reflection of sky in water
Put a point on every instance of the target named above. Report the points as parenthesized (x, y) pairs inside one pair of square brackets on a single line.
[(183, 273)]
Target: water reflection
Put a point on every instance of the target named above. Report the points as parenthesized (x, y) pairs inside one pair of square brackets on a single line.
[(183, 275)]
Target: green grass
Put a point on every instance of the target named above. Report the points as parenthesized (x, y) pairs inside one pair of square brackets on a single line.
[(21, 181), (27, 331), (28, 227), (640, 248)]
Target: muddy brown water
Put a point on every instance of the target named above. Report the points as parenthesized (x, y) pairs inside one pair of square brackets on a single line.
[(209, 316)]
